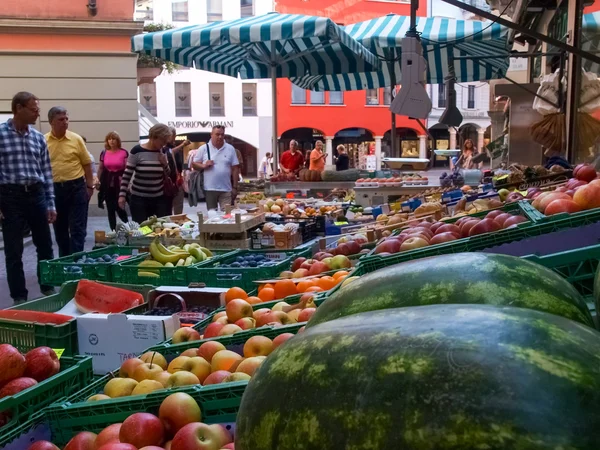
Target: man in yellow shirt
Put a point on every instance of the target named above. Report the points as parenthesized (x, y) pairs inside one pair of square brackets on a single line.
[(73, 182)]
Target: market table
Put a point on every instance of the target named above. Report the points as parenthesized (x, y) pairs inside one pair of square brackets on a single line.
[(368, 196), (305, 186)]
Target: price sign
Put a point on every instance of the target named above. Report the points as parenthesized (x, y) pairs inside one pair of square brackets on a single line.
[(146, 230), (59, 352)]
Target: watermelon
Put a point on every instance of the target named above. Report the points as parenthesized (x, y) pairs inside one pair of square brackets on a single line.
[(91, 297), (459, 278), (438, 377), (597, 291)]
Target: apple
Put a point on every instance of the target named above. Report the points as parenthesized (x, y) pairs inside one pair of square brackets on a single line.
[(307, 264), (484, 226), (279, 306), (320, 256), (420, 230), (317, 268), (574, 183), (300, 273), (224, 360), (198, 366), (97, 398), (230, 329), (212, 330), (147, 386), (182, 378), (434, 227), (547, 199), (185, 334), (152, 447), (260, 312), (466, 226), (267, 318), (43, 445), (162, 377), (293, 315), (388, 246), (208, 349), (237, 309), (118, 446), (298, 262), (341, 262), (199, 436), (141, 429), (353, 247), (585, 173), (216, 377), (236, 376), (562, 206), (343, 249), (109, 435), (258, 346), (278, 340), (412, 243), (285, 274), (418, 234), (500, 218), (218, 315), (41, 363), (177, 410), (514, 197), (246, 323), (82, 441), (530, 193), (250, 365), (120, 387), (443, 237), (282, 317), (177, 364), (155, 358), (587, 197), (306, 314), (229, 446), (146, 371), (17, 385), (595, 182), (12, 363), (449, 227), (514, 220), (190, 352), (128, 367)]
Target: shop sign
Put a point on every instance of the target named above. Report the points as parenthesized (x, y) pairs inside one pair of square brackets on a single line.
[(193, 124)]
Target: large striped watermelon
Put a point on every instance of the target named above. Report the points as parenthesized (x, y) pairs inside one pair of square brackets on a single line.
[(440, 377), (459, 278)]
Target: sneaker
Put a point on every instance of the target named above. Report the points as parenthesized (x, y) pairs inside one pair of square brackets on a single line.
[(48, 291), (18, 300)]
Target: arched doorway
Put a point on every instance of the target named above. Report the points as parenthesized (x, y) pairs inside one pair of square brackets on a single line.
[(306, 138), (440, 140), (359, 144), (467, 131), (407, 141)]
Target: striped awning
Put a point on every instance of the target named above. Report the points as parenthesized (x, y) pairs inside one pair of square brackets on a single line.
[(295, 45), (443, 40), (590, 31)]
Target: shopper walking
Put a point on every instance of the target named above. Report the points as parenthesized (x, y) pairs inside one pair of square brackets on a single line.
[(266, 166), (317, 157), (26, 191), (291, 161), (147, 168), (220, 164), (73, 182), (113, 161)]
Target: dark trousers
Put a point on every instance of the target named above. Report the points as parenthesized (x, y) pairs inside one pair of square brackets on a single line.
[(112, 208), (144, 207), (70, 227), (22, 207)]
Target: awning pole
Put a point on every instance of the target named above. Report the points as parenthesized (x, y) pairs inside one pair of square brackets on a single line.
[(274, 143), (574, 21), (392, 70)]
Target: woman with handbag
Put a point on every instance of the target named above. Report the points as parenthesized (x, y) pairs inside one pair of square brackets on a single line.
[(113, 161), (149, 173)]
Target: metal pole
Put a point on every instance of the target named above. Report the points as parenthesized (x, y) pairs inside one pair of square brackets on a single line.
[(574, 21), (392, 70), (275, 146)]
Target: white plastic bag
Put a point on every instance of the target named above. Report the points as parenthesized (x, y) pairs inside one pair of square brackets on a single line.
[(590, 93), (548, 90)]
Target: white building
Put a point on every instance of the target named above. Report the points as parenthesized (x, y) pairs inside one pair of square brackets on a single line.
[(193, 100)]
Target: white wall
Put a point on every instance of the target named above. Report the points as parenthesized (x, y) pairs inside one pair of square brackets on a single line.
[(197, 10)]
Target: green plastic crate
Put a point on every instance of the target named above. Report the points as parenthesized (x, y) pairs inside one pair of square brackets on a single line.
[(20, 437), (583, 217), (522, 207), (75, 374), (219, 404), (27, 335), (54, 272), (213, 275), (128, 271)]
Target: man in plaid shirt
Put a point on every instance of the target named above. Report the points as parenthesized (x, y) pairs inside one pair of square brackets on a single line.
[(26, 191)]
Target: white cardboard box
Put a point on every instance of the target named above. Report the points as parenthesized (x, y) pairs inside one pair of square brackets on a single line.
[(110, 339)]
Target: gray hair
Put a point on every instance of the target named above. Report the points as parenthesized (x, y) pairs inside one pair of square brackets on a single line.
[(173, 131), (55, 111), (295, 142), (21, 99)]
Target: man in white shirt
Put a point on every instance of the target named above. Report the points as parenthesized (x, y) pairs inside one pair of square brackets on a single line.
[(220, 164)]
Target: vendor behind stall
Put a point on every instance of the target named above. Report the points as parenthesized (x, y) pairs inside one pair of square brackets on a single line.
[(291, 160), (342, 162), (317, 157)]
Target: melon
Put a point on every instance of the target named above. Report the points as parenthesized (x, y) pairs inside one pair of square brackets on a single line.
[(459, 278), (91, 297), (438, 377)]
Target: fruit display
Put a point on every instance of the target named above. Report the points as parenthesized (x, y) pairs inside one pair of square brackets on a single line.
[(576, 195), (322, 262), (175, 424), (251, 197), (483, 278), (309, 175), (257, 260), (340, 175), (172, 256), (91, 297), (437, 377), (454, 179), (283, 177), (478, 205), (86, 259)]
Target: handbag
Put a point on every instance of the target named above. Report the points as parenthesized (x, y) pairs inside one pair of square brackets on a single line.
[(169, 187), (201, 183)]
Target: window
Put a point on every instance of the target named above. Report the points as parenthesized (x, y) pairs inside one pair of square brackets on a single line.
[(183, 99), (148, 97), (298, 95), (317, 98), (179, 9), (217, 99), (247, 8), (387, 95), (372, 96), (249, 99), (441, 95), (214, 10), (336, 98), (143, 10), (471, 99)]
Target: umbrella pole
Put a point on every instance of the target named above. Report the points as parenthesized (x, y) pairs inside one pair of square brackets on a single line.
[(275, 146), (391, 68)]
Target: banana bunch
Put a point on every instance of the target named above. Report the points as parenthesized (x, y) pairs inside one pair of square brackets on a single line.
[(252, 197), (172, 256)]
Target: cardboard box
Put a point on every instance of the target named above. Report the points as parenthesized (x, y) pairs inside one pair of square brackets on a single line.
[(110, 339), (287, 240)]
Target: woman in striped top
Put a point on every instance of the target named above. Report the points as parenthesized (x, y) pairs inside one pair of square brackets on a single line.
[(147, 167)]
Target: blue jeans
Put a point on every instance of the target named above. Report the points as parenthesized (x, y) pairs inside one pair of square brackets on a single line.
[(70, 227), (23, 207)]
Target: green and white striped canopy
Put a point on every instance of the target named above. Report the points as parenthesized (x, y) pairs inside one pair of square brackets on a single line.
[(302, 45), (590, 31), (442, 40)]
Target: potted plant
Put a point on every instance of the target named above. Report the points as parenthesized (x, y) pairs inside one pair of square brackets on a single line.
[(149, 67)]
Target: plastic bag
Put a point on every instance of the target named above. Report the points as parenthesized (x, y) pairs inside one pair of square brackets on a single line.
[(548, 90), (590, 93)]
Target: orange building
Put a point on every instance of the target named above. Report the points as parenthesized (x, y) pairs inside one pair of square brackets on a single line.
[(352, 118), (75, 54)]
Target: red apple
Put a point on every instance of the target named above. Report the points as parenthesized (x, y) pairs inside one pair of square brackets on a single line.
[(82, 441), (443, 237), (260, 312), (258, 346), (425, 224), (43, 445), (514, 220), (208, 349), (466, 226), (562, 206), (343, 249), (246, 323), (587, 197), (17, 385), (575, 183), (317, 268), (12, 363), (484, 226), (152, 447), (412, 243), (595, 182), (435, 226), (389, 246), (278, 340), (418, 234), (544, 202), (200, 436), (118, 446), (42, 363), (109, 435), (420, 230), (177, 410), (493, 214), (229, 446), (185, 334), (141, 429), (213, 330), (238, 309), (460, 221), (216, 377), (268, 318), (500, 218), (354, 247), (306, 314), (585, 173), (297, 263), (307, 264), (449, 227), (571, 192)]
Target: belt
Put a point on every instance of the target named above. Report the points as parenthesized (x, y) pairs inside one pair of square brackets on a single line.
[(22, 187), (69, 182)]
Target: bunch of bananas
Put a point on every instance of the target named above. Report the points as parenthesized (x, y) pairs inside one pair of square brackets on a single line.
[(252, 197), (172, 256)]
